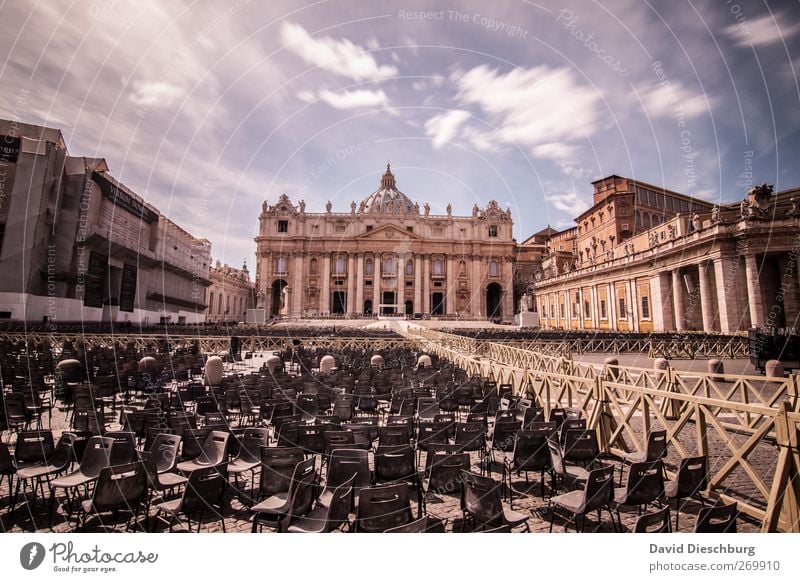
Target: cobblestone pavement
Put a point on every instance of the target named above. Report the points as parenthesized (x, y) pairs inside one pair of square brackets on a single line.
[(32, 515)]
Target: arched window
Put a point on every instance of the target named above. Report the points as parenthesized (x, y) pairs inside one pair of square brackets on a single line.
[(437, 266), (388, 265), (314, 266), (339, 266), (409, 267), (219, 305), (493, 270), (462, 269), (368, 267), (211, 303)]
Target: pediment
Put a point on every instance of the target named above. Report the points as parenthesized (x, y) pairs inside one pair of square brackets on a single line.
[(388, 232)]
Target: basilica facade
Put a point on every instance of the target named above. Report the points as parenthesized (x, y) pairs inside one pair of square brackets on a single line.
[(385, 256)]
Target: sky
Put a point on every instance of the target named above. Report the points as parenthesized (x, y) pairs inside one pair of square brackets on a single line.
[(207, 109)]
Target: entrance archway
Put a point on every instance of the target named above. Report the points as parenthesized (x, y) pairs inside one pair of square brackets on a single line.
[(277, 296), (368, 307), (494, 301), (437, 304), (409, 307), (388, 307), (339, 302)]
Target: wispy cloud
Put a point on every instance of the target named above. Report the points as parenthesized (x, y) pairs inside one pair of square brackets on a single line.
[(674, 99), (339, 56), (442, 128), (570, 203), (764, 30), (354, 99)]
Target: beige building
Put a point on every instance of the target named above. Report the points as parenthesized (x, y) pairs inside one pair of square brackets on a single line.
[(76, 245), (385, 256), (646, 259), (230, 295)]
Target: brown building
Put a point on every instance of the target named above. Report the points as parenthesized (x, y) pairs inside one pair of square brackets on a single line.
[(647, 259), (385, 256), (230, 295)]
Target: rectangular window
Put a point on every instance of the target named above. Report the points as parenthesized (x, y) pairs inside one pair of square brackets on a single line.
[(409, 283), (409, 229), (622, 313), (645, 307), (587, 311), (338, 282), (368, 283), (493, 230), (603, 314), (369, 228), (283, 226), (437, 283), (575, 310)]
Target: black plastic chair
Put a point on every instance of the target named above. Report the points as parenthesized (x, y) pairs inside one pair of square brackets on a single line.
[(118, 488), (327, 518), (530, 454), (444, 474), (96, 458), (281, 509), (471, 436), (33, 446), (655, 522), (689, 482), (482, 504), (645, 485), (249, 457), (655, 450), (569, 476), (7, 469), (277, 468), (581, 446), (597, 495), (383, 508), (57, 463), (123, 451), (215, 451), (204, 492), (717, 519), (344, 465)]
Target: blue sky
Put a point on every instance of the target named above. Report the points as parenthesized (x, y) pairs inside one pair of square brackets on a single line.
[(208, 109)]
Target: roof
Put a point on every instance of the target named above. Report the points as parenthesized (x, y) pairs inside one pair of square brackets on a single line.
[(388, 199)]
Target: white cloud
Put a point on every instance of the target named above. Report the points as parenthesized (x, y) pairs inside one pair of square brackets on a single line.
[(307, 96), (354, 99), (673, 99), (763, 30), (154, 93), (442, 128), (570, 203), (342, 57)]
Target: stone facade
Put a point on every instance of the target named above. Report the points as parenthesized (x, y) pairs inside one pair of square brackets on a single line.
[(230, 295), (704, 267), (385, 256), (77, 245)]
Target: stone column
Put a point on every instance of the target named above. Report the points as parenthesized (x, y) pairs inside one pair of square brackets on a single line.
[(325, 300), (568, 307), (450, 298), (376, 283), (508, 290), (612, 307), (418, 284), (400, 294), (595, 307), (788, 283), (726, 274), (707, 305), (351, 284), (754, 300), (299, 284), (477, 295), (581, 314), (426, 284), (359, 306), (634, 299), (677, 300)]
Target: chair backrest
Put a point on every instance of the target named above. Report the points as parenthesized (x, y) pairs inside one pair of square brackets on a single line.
[(277, 467), (394, 463), (34, 446), (557, 415), (530, 451), (288, 433), (250, 444), (656, 445), (655, 522), (345, 464), (717, 519), (581, 445), (470, 436), (692, 476), (64, 452), (120, 487), (480, 497), (165, 451), (124, 449), (445, 473), (340, 439), (382, 508), (431, 433), (416, 526), (340, 505), (311, 437), (97, 456), (599, 490), (532, 415), (645, 483), (215, 448), (504, 434), (205, 489), (394, 435), (427, 407), (301, 488)]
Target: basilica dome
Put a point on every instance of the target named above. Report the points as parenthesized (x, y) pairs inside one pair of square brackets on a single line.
[(388, 199)]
